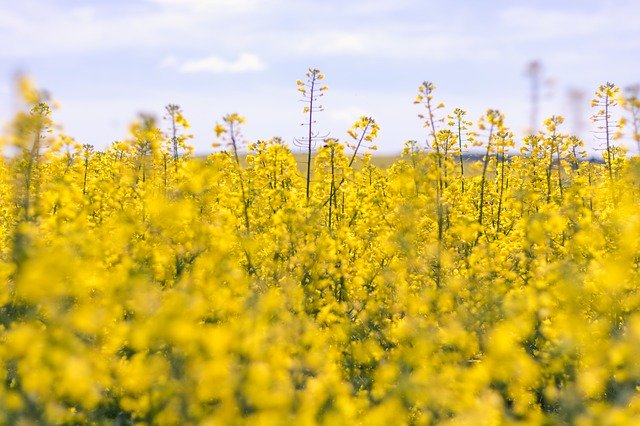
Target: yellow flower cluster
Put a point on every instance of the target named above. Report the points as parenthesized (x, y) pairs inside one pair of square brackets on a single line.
[(150, 288)]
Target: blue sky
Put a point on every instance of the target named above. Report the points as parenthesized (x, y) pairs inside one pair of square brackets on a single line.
[(106, 61)]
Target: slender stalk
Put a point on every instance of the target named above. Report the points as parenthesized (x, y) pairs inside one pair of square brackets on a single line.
[(355, 152), (32, 162), (310, 135), (502, 185), (332, 188), (549, 172), (485, 165), (86, 169), (245, 204), (461, 159), (607, 135), (558, 159)]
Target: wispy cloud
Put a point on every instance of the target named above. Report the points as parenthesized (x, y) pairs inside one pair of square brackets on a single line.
[(168, 61), (246, 62), (528, 23), (347, 115), (273, 26), (32, 28), (332, 42), (206, 5)]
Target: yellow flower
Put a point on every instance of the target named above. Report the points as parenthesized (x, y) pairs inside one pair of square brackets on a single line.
[(219, 129)]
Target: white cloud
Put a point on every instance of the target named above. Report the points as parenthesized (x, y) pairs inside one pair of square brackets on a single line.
[(390, 41), (233, 6), (534, 23), (542, 24), (169, 61), (30, 28), (347, 115), (375, 7), (373, 28), (241, 25), (246, 62), (332, 42)]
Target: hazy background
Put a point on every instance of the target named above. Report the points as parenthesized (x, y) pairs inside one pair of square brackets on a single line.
[(105, 61)]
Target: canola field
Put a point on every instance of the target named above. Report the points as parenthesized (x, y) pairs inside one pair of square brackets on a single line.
[(143, 285)]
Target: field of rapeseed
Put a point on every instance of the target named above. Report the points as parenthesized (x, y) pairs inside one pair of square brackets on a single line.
[(144, 285)]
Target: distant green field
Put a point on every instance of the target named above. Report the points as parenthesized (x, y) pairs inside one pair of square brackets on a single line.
[(471, 161), (382, 161)]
